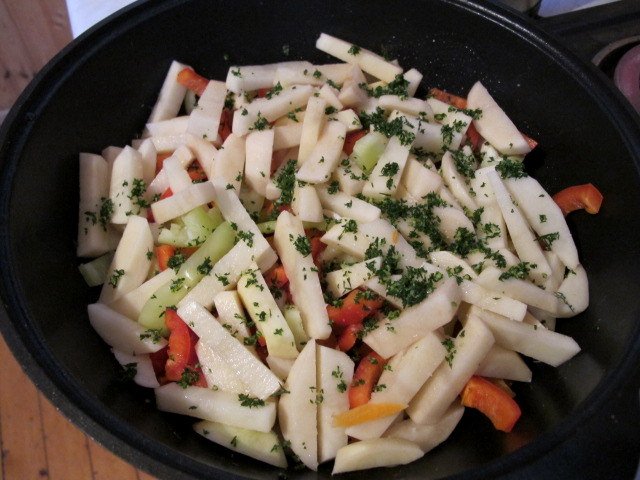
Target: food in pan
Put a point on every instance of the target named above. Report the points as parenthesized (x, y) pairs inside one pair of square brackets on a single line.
[(319, 264)]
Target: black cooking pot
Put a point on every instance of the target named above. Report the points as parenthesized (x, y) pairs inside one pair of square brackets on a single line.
[(100, 90)]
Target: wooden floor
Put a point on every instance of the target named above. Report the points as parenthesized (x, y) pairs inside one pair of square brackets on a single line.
[(36, 441)]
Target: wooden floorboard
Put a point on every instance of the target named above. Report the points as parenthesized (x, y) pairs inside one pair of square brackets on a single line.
[(36, 441)]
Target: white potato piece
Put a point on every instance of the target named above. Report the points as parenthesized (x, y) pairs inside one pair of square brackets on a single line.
[(231, 315), (458, 184), (416, 321), (171, 95), (218, 373), (406, 373), (257, 376), (383, 181), (464, 356), (454, 123), (216, 406), (494, 125), (125, 172), (178, 204), (574, 293), (452, 219), (539, 343), (304, 281), (229, 163), (414, 77), (520, 290), (297, 410), (419, 180), (204, 119), (144, 376), (149, 156), (379, 452), (176, 174), (347, 206), (341, 281), (270, 108), (281, 367), (286, 136), (325, 155), (121, 332), (161, 181), (348, 118), (130, 263), (475, 294), (334, 374), (545, 217), (93, 237), (524, 241), (248, 78), (504, 364), (368, 61), (263, 446), (171, 126), (306, 203), (257, 168), (409, 105), (314, 120), (265, 313), (130, 304), (427, 437)]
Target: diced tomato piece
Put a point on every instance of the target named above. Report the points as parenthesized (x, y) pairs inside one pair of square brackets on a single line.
[(365, 378), (226, 120), (492, 401), (194, 82), (349, 337), (351, 139), (356, 306), (578, 197), (182, 347), (446, 97), (160, 158), (163, 254)]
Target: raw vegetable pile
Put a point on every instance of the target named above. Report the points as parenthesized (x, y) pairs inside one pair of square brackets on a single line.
[(321, 266)]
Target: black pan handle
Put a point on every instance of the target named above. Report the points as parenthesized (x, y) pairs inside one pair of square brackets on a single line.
[(589, 31)]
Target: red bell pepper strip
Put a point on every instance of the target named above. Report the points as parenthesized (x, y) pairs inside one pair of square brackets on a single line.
[(492, 401), (187, 77), (349, 336), (365, 378), (355, 307), (475, 139), (166, 194), (182, 360), (351, 139), (577, 197), (330, 342)]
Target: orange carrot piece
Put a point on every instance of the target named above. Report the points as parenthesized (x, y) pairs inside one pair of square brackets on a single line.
[(366, 413), (187, 77)]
